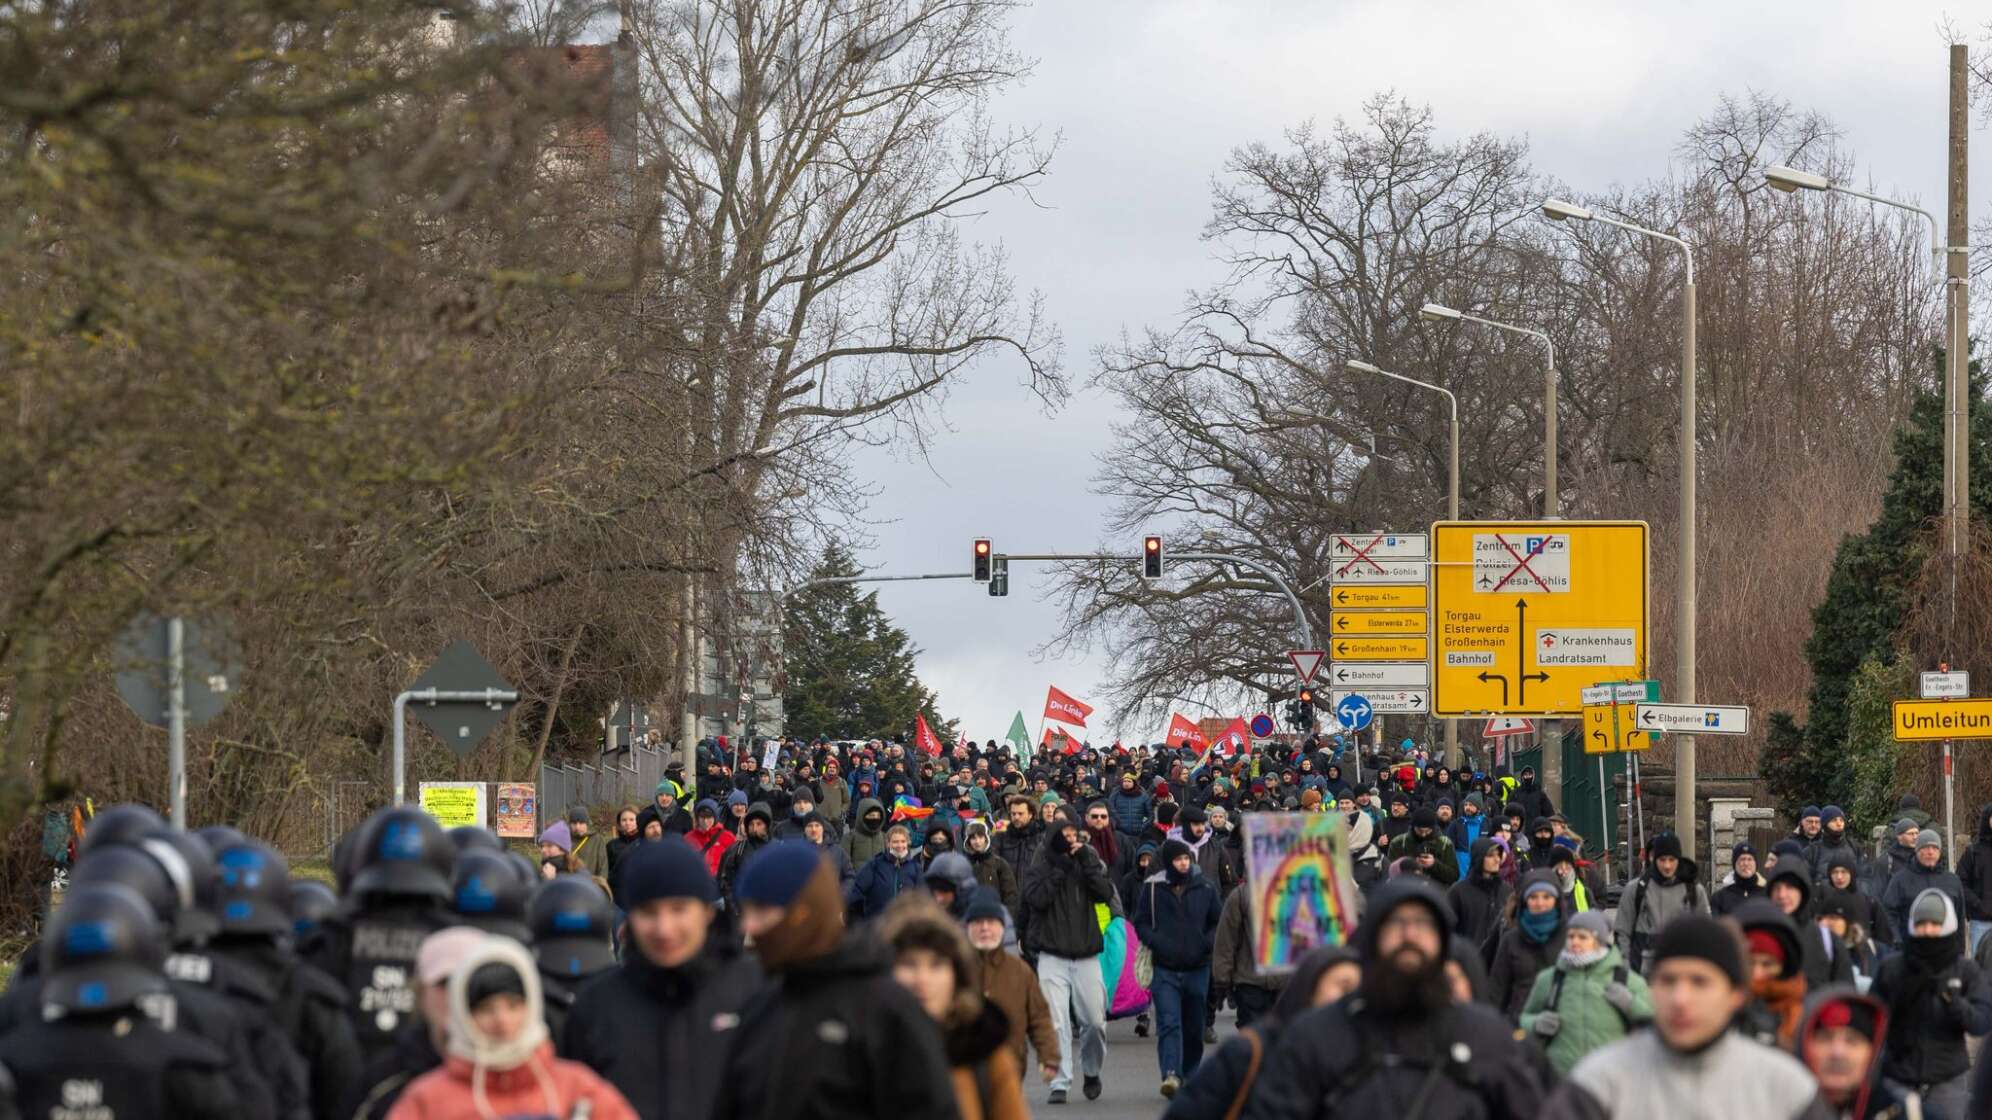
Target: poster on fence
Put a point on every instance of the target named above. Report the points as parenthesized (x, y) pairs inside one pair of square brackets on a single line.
[(1302, 895), (454, 803), (518, 810)]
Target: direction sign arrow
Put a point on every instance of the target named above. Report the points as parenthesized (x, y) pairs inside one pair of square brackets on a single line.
[(1354, 712), (1380, 649), (1402, 701), (1382, 546), (1386, 571), (1379, 622), (1377, 675), (1693, 719), (1382, 596)]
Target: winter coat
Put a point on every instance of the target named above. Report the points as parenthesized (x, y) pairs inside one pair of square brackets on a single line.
[(712, 843), (1011, 984), (880, 881), (1517, 960), (1019, 846), (861, 843), (1927, 1021), (730, 865), (543, 1085), (1177, 922), (835, 1037), (988, 1082), (995, 872), (1639, 1078), (1906, 884), (1974, 871), (1463, 831), (1445, 865), (1735, 892), (1821, 852), (835, 805), (1649, 904), (1588, 1020), (132, 1067), (656, 1033), (1131, 811), (676, 822), (1233, 963), (1478, 903), (1060, 891)]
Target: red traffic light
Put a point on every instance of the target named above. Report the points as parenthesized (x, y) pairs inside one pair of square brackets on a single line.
[(1307, 696), (1152, 544), (1151, 557), (982, 548), (979, 560)]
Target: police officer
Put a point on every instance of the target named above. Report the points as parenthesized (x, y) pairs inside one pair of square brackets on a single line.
[(253, 909), (488, 891), (164, 883), (401, 865), (573, 926), (90, 1050)]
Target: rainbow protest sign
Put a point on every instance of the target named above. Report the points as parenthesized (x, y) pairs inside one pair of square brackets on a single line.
[(1302, 895)]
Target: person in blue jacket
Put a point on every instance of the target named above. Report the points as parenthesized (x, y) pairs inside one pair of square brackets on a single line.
[(1175, 914), (1466, 828), (1131, 806), (886, 875)]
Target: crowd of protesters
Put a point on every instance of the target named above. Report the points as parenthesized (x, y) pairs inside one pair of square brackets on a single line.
[(862, 930)]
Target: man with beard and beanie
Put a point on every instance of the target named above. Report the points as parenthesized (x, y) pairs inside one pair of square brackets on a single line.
[(659, 1026), (1777, 981), (1429, 853), (1480, 900), (1061, 888), (1927, 873), (1530, 944), (1840, 1036), (834, 1036), (1399, 1044), (991, 870), (1743, 882), (1175, 914), (1936, 996), (1974, 873), (1667, 888), (1690, 1064), (1588, 998)]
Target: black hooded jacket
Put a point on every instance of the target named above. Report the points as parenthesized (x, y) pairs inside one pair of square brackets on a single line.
[(1348, 1059), (1935, 996), (1974, 871), (1478, 902), (660, 1035), (1060, 890)]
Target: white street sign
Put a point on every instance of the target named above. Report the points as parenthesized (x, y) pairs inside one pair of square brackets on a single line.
[(1621, 693), (1306, 663), (1521, 564), (1692, 719), (1363, 570), (1597, 645), (1402, 701), (1946, 686), (1363, 676), (1381, 546)]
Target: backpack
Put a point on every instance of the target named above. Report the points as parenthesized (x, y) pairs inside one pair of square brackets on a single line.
[(1251, 1077)]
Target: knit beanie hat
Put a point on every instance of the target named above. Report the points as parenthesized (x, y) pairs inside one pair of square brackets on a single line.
[(1190, 814), (1832, 813), (706, 807), (778, 872), (1808, 811), (1742, 848), (1700, 937), (1666, 844), (664, 869), (1929, 838), (984, 903), (558, 835), (1594, 923), (1905, 825)]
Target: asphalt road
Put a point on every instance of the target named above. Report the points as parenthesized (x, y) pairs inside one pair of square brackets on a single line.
[(1131, 1079)]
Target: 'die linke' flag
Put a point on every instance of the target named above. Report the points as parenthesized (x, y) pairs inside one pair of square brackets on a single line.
[(1064, 709)]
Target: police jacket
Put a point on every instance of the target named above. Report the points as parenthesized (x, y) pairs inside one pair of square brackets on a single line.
[(310, 1009), (371, 954), (662, 1036), (117, 1067)]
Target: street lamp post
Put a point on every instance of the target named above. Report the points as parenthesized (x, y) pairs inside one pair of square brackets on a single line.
[(1452, 495), (1684, 657), (1551, 507)]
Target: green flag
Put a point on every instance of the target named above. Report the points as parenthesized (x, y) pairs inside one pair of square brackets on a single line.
[(1020, 736)]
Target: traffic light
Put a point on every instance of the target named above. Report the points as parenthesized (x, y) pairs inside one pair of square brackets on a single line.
[(1151, 558), (999, 579), (983, 555), (1303, 710)]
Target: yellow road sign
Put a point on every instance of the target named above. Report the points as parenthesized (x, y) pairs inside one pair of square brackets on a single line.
[(1380, 649), (1379, 596), (1610, 729), (1379, 622), (1924, 720), (1527, 614)]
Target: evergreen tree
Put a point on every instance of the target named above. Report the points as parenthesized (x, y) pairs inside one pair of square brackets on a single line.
[(1868, 598), (850, 670)]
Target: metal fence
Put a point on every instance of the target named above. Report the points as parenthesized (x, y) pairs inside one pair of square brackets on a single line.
[(627, 778)]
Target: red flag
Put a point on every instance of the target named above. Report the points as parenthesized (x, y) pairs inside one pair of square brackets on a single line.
[(923, 736), (1053, 734), (1065, 709), (1182, 731), (1234, 737)]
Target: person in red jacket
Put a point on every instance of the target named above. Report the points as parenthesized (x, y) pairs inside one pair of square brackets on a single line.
[(710, 838), (499, 1062)]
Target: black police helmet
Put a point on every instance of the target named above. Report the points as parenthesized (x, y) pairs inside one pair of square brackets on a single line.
[(528, 871), (219, 836), (118, 824), (196, 923), (101, 951), (487, 893), (253, 893), (466, 837), (402, 851), (572, 923), (160, 879), (311, 902)]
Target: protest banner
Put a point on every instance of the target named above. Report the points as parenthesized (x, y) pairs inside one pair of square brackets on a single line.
[(1301, 892), (518, 810), (454, 803)]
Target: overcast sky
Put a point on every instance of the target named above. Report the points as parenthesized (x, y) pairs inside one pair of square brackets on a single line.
[(1151, 96)]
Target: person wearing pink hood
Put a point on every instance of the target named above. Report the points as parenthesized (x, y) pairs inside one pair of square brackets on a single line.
[(498, 1062)]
